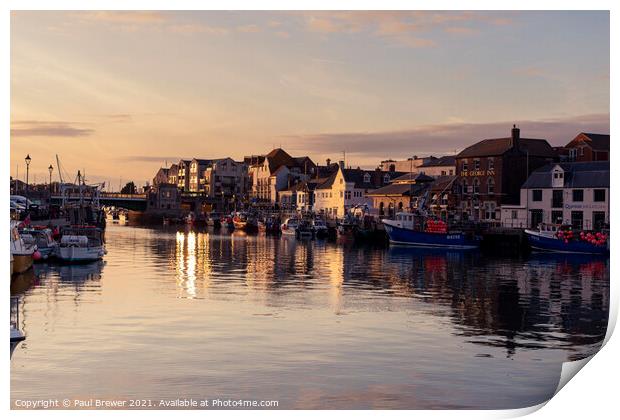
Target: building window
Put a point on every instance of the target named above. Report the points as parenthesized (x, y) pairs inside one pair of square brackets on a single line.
[(451, 172), (465, 164), (599, 195), (386, 178), (557, 216), (491, 163), (489, 210), (536, 195), (366, 178), (514, 214), (477, 164), (576, 219), (491, 186), (465, 190), (347, 195), (476, 186), (577, 195), (598, 219)]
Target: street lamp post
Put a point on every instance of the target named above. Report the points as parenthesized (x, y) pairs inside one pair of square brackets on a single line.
[(27, 159)]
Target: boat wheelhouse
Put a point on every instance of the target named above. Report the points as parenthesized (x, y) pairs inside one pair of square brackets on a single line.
[(42, 237)]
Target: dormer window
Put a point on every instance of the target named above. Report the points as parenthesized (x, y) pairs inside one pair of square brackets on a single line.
[(386, 178), (558, 178), (366, 178)]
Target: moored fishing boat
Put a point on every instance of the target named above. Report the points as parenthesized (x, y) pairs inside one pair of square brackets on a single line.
[(289, 226), (227, 222), (320, 228), (347, 227), (414, 230), (304, 229), (214, 220), (42, 237), (23, 254), (270, 224), (562, 238), (81, 244), (245, 221)]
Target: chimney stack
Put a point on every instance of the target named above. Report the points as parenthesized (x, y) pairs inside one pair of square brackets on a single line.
[(328, 161), (515, 136), (341, 164)]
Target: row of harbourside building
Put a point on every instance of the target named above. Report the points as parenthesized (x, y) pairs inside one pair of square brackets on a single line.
[(510, 181)]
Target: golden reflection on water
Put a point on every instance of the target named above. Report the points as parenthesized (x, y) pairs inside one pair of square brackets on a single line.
[(311, 309), (186, 262)]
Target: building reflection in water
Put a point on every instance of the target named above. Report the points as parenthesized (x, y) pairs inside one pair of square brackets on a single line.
[(538, 301)]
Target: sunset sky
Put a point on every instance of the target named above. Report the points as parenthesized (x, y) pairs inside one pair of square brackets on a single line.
[(119, 93)]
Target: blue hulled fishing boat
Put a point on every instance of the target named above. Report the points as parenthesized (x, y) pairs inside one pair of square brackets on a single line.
[(413, 230), (556, 238)]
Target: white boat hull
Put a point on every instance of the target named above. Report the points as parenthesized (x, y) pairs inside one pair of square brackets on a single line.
[(80, 254)]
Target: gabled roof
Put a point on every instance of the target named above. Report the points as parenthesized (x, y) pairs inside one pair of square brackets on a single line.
[(415, 177), (277, 158), (442, 161), (576, 175), (443, 182), (596, 141), (357, 177), (203, 162), (497, 147), (376, 179)]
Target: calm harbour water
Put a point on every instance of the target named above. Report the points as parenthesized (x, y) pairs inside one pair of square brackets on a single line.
[(312, 324)]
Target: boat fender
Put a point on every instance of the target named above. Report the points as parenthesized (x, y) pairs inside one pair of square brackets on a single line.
[(36, 255)]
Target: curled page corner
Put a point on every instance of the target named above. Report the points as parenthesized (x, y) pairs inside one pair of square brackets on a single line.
[(570, 369)]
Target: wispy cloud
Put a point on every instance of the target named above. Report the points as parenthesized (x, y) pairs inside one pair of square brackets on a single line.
[(411, 29), (119, 118), (461, 30), (48, 129), (252, 28), (439, 139), (125, 17), (194, 28)]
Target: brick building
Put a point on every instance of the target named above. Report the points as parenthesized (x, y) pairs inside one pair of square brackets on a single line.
[(588, 147), (490, 173)]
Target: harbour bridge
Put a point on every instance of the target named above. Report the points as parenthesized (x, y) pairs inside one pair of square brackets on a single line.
[(127, 201)]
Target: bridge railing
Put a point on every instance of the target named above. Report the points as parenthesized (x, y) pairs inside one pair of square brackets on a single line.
[(107, 195), (122, 196)]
